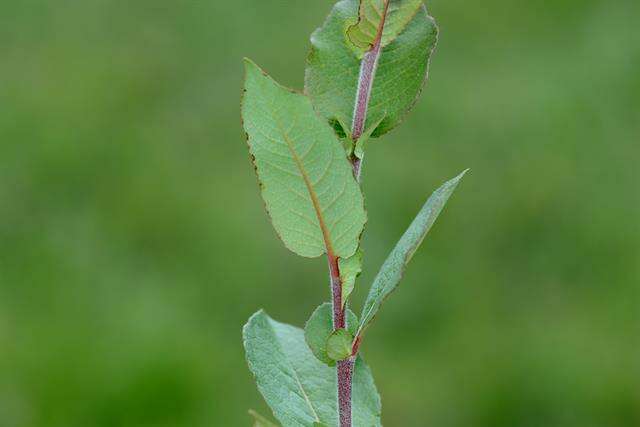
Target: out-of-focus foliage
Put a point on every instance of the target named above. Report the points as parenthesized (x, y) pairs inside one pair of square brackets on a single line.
[(134, 246)]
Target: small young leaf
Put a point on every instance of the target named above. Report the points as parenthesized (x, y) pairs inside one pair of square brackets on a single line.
[(370, 19), (350, 269), (359, 146), (307, 183), (339, 344), (320, 326), (393, 268), (300, 389), (333, 68), (260, 421)]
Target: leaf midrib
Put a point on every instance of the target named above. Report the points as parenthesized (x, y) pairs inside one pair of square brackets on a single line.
[(304, 393), (296, 376), (312, 193), (383, 20)]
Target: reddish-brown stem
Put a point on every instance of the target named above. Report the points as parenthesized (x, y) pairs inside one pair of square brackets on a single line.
[(345, 379), (365, 83), (356, 163), (344, 369), (336, 292), (356, 345), (368, 68)]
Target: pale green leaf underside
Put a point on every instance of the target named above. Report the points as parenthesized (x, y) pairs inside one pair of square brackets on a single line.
[(260, 421), (300, 389), (320, 326), (333, 68), (393, 268), (350, 269), (399, 14), (307, 183)]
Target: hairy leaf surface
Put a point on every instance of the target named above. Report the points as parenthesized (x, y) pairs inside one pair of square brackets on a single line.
[(300, 389), (307, 183), (319, 328), (333, 68), (393, 268)]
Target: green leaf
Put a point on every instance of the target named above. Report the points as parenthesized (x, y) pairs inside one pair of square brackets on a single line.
[(339, 344), (300, 389), (350, 268), (307, 183), (260, 421), (358, 147), (393, 268), (333, 69), (320, 326), (370, 18)]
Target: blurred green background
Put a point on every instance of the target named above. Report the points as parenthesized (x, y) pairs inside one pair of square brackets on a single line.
[(134, 244)]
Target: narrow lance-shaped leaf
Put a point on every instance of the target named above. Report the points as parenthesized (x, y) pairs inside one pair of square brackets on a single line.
[(334, 64), (307, 183), (370, 18), (300, 389), (393, 268)]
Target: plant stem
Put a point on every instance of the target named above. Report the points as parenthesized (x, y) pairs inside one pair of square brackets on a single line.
[(365, 83), (344, 368), (336, 293), (345, 376), (368, 68)]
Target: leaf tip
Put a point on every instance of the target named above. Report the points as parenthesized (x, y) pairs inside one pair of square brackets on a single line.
[(253, 317), (453, 182), (251, 68), (248, 62), (253, 71)]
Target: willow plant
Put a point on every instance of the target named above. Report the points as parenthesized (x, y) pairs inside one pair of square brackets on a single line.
[(367, 66)]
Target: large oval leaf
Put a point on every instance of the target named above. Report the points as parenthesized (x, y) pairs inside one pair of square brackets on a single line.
[(300, 389), (307, 183), (334, 63)]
